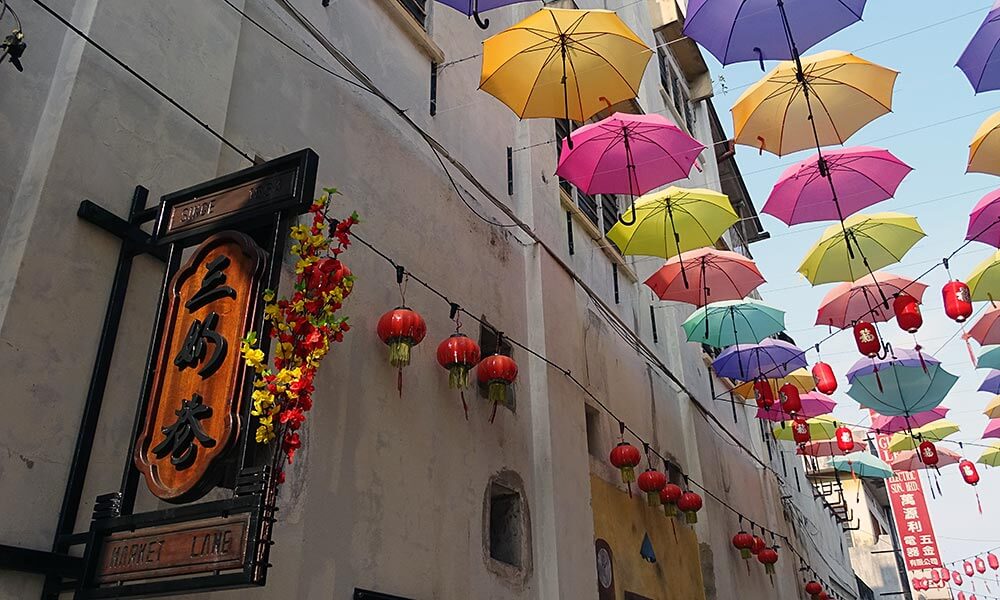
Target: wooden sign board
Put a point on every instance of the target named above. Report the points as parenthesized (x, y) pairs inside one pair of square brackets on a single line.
[(203, 546), (200, 380)]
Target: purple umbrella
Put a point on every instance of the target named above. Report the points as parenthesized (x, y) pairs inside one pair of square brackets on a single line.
[(992, 383), (863, 176), (742, 30), (992, 429), (981, 60), (814, 404), (901, 357), (472, 8), (885, 424), (769, 359), (984, 220)]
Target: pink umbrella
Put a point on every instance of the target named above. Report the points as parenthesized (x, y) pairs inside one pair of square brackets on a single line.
[(986, 330), (984, 220), (827, 448), (886, 424), (992, 429), (814, 404), (628, 154), (850, 302), (908, 460), (862, 176), (712, 275)]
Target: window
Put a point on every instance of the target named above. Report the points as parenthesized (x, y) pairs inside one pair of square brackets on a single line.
[(585, 202), (609, 212), (665, 71), (505, 525), (594, 446), (490, 343), (417, 9)]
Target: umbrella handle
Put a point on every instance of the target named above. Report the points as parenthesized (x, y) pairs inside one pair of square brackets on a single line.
[(483, 23), (622, 219)]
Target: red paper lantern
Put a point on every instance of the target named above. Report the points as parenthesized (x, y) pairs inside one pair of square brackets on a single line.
[(967, 567), (743, 542), (928, 453), (791, 400), (972, 597), (401, 329), (935, 576), (866, 337), (969, 472), (497, 372), (945, 575), (459, 354), (800, 430), (845, 439), (758, 545), (907, 311), (961, 596), (763, 393), (652, 481), (690, 503), (980, 565), (826, 381), (957, 300), (669, 496), (823, 596), (992, 560), (767, 557), (626, 458), (956, 577), (918, 584), (813, 588)]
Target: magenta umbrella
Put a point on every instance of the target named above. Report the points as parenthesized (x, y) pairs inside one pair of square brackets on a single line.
[(712, 275), (862, 176), (992, 429), (884, 424), (908, 460), (986, 329), (847, 303), (814, 404), (628, 154), (984, 220)]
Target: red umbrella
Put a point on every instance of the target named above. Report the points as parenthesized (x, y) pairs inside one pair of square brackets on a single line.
[(986, 330), (827, 448), (712, 276), (909, 461), (861, 300)]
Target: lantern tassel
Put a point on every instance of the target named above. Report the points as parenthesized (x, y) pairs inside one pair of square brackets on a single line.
[(465, 405), (968, 347), (923, 365), (399, 381), (979, 502)]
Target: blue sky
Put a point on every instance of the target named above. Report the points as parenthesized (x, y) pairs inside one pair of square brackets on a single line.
[(929, 91)]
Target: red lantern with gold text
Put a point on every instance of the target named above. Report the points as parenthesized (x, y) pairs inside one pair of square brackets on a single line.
[(980, 565), (935, 576), (791, 401), (907, 311), (928, 453), (626, 458), (497, 372), (813, 588), (669, 496), (957, 300), (800, 430), (845, 439), (956, 577), (967, 567), (971, 477), (459, 354), (826, 381), (652, 481), (401, 329), (768, 557), (945, 574), (689, 504), (866, 338), (743, 542), (763, 393), (992, 560)]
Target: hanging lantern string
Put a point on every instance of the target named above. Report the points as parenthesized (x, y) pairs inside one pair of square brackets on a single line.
[(457, 308)]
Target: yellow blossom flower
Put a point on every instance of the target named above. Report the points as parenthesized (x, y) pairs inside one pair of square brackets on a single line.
[(254, 358)]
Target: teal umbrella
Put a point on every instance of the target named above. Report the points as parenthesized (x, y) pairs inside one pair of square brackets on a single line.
[(990, 359), (723, 324), (905, 384), (863, 464)]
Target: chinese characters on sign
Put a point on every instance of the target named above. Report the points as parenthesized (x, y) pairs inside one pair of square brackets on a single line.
[(909, 510), (200, 381)]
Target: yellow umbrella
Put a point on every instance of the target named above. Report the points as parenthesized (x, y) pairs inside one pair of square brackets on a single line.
[(881, 238), (564, 64), (984, 281), (845, 94), (991, 456), (800, 378), (984, 151), (934, 432), (820, 428), (992, 409), (674, 220)]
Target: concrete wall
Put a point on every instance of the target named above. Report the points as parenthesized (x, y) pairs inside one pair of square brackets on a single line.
[(388, 493)]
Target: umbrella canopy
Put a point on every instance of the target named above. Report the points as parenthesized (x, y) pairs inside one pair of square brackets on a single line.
[(881, 238), (723, 324), (862, 176), (900, 385), (741, 30), (473, 7), (628, 154), (909, 460), (984, 281), (847, 303), (979, 61), (992, 429), (564, 63), (933, 432), (820, 428), (989, 358), (863, 464), (826, 448), (773, 114), (984, 220), (992, 409), (984, 150), (768, 359), (986, 329), (884, 424), (802, 379), (673, 221), (814, 404), (712, 275), (991, 456), (992, 383)]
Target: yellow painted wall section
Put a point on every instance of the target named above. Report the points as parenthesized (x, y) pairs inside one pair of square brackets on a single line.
[(622, 522)]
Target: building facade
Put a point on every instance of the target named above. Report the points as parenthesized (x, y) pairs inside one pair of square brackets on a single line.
[(393, 492)]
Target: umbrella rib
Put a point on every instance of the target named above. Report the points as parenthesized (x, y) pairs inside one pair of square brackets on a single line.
[(532, 48), (865, 175), (593, 52), (576, 81), (732, 30), (669, 154), (822, 104), (828, 81), (614, 141), (552, 54)]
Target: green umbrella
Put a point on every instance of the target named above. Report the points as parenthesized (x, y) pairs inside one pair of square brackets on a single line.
[(990, 359), (723, 324), (863, 464)]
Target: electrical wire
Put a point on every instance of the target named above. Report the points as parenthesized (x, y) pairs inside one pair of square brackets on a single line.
[(5, 8)]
